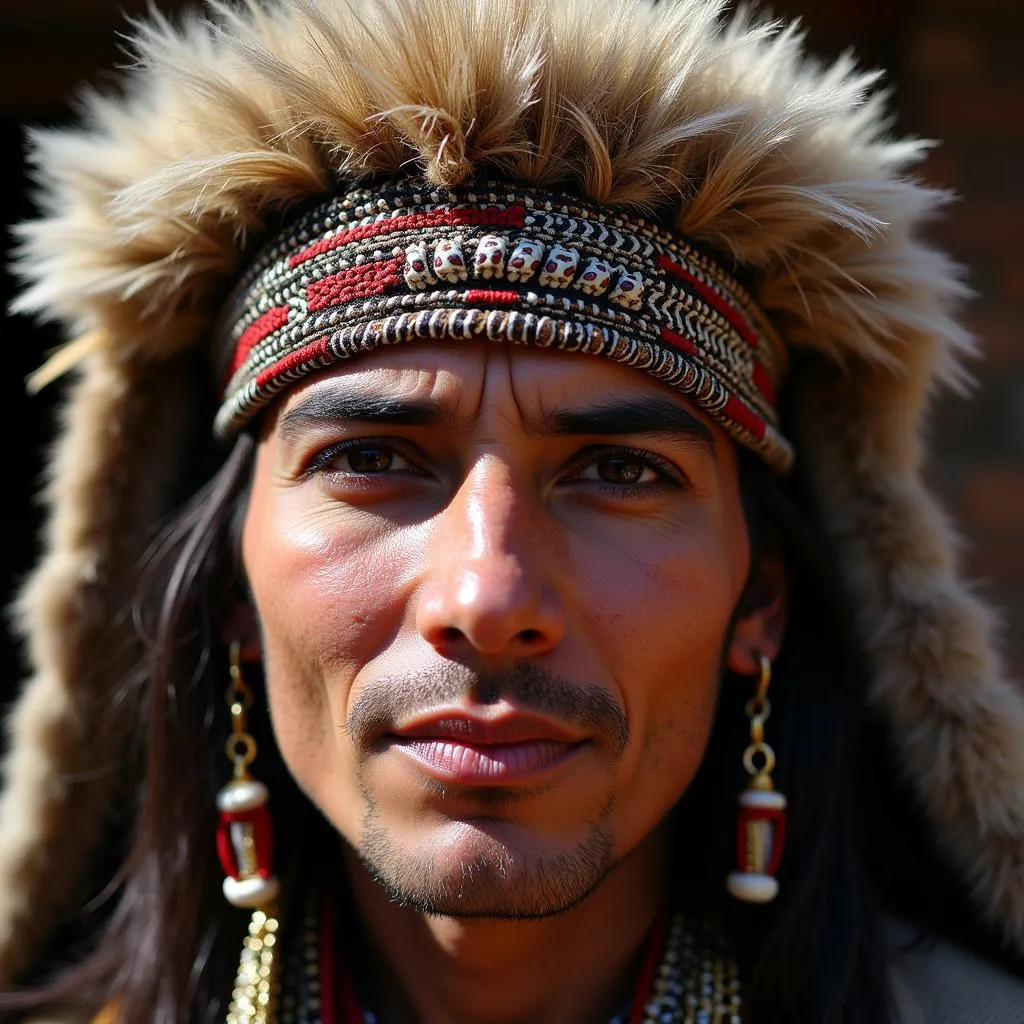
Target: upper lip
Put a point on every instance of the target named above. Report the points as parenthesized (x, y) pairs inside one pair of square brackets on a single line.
[(497, 728)]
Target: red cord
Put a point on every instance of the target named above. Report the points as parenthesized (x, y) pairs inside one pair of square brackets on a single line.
[(328, 958), (652, 958), (336, 989)]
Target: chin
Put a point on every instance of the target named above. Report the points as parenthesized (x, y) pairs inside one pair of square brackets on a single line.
[(486, 868)]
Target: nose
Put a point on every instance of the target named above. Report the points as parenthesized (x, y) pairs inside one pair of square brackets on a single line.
[(491, 584)]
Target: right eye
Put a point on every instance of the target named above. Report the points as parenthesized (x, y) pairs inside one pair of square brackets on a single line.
[(363, 457)]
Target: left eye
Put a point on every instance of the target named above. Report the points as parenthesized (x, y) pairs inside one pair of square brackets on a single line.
[(624, 469), (621, 469)]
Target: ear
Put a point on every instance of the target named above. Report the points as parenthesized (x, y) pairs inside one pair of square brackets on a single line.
[(240, 624), (764, 612)]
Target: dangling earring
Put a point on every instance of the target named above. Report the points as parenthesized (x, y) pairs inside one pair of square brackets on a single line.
[(244, 832), (761, 824)]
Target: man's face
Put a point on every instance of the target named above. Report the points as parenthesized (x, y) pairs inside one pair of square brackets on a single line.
[(494, 591)]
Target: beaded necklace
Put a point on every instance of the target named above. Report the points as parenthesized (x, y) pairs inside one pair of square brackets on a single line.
[(688, 976)]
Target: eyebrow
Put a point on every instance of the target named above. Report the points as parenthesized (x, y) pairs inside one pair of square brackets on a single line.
[(329, 407), (644, 414)]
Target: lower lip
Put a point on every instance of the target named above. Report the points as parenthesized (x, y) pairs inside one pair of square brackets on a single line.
[(482, 764)]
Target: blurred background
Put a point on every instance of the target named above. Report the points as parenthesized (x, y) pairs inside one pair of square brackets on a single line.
[(955, 70)]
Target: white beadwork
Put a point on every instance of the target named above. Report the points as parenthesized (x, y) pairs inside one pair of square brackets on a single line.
[(559, 267), (449, 264), (770, 799), (490, 257), (524, 261), (628, 291), (608, 274), (596, 276), (417, 267), (250, 892), (242, 795), (752, 888)]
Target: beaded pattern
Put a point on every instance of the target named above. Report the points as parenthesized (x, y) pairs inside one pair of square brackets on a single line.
[(399, 264), (697, 981), (300, 972)]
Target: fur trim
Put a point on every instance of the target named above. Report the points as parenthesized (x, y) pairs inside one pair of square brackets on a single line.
[(108, 485), (729, 133)]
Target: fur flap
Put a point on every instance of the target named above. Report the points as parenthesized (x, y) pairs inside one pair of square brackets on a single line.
[(728, 132)]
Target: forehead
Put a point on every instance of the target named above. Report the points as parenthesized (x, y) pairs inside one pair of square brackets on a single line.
[(473, 380)]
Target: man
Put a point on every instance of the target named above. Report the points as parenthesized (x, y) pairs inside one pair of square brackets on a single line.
[(521, 403)]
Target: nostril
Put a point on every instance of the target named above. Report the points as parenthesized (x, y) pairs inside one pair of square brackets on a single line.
[(530, 636), (451, 635)]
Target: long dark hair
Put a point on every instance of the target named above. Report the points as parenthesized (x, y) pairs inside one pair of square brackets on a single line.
[(161, 941)]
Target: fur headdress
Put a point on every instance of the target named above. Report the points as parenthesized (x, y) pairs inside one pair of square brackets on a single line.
[(727, 133)]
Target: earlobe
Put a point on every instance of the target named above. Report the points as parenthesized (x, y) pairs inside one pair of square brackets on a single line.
[(761, 626), (240, 624)]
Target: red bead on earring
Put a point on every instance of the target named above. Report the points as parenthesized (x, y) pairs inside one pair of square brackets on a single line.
[(761, 823)]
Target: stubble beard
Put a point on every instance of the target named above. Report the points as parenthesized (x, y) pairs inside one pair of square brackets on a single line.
[(495, 881), (486, 865)]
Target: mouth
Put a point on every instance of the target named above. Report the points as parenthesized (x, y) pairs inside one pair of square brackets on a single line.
[(506, 748)]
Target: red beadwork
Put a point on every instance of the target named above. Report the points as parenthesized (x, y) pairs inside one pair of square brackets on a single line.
[(484, 296), (775, 815), (763, 383), (258, 818), (712, 298), (314, 350), (512, 216), (353, 283), (741, 413), (380, 300), (736, 410), (259, 329), (677, 340)]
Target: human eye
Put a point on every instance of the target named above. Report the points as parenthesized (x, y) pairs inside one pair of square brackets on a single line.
[(363, 459), (623, 472)]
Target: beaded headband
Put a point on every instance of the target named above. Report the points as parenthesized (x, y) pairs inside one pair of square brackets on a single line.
[(405, 262)]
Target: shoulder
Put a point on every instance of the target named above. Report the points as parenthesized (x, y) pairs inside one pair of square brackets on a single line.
[(937, 982)]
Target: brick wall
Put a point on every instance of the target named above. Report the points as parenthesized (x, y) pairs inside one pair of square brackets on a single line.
[(956, 69), (965, 84)]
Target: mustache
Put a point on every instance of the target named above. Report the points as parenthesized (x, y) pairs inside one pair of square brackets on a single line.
[(386, 701)]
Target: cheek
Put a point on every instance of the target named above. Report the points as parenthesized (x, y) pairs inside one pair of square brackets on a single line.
[(328, 597), (325, 583), (661, 624), (661, 618)]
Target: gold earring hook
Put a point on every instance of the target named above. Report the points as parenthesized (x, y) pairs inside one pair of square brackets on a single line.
[(766, 675), (240, 747), (757, 709)]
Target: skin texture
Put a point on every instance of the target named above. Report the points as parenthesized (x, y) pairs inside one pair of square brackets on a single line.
[(494, 552)]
